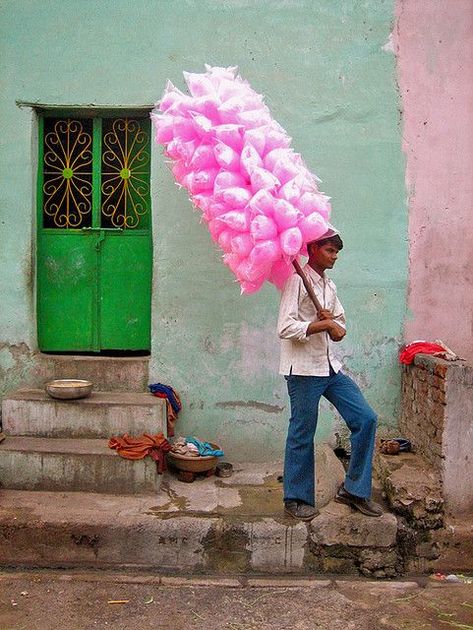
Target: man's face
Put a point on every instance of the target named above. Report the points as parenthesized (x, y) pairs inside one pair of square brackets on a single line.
[(324, 256)]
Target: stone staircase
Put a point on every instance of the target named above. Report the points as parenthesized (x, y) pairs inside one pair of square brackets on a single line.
[(62, 445), (228, 526), (69, 501)]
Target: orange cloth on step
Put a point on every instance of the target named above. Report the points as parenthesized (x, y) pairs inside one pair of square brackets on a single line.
[(138, 447)]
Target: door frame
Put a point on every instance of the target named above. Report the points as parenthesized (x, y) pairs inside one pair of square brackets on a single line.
[(97, 114)]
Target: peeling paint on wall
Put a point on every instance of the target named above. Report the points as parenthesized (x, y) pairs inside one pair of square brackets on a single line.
[(329, 79), (435, 73), (16, 363)]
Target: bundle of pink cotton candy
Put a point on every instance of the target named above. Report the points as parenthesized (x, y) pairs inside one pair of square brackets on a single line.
[(260, 201)]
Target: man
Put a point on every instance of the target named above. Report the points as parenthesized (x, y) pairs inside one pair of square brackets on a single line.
[(312, 370)]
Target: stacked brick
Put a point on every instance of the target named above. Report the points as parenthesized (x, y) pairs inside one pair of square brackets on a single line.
[(423, 407), (428, 488)]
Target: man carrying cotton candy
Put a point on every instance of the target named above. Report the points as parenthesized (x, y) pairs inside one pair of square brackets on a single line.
[(311, 368), (262, 207)]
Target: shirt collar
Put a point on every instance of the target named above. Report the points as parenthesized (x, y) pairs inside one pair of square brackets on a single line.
[(316, 278)]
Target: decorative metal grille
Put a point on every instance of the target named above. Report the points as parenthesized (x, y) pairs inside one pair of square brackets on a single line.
[(125, 173), (67, 173)]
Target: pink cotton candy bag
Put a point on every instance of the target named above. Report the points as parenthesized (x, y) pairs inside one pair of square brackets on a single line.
[(261, 203)]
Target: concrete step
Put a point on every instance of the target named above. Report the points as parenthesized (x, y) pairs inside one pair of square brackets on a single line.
[(115, 374), (222, 526), (28, 463), (32, 412)]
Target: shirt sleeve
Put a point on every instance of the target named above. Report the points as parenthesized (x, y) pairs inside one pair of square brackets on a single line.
[(290, 326), (339, 314)]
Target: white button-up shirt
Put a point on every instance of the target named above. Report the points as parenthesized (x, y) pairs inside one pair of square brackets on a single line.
[(304, 355)]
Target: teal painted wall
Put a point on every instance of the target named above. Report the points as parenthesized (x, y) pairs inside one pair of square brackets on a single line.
[(329, 81)]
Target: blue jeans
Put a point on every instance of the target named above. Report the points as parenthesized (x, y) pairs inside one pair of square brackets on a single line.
[(345, 395)]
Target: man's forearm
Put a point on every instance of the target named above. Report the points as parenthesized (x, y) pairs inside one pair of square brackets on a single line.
[(335, 331), (317, 327)]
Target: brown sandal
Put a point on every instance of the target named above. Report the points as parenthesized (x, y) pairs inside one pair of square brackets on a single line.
[(390, 447)]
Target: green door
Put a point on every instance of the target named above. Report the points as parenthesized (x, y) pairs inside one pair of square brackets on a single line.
[(94, 253)]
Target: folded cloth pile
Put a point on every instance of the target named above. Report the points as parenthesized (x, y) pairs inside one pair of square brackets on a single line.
[(192, 447), (156, 446), (173, 403), (181, 447), (205, 448)]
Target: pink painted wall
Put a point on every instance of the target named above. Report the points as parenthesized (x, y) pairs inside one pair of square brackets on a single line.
[(434, 47)]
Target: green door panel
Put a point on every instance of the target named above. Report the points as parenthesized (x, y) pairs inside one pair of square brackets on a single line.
[(125, 318), (94, 254), (67, 272)]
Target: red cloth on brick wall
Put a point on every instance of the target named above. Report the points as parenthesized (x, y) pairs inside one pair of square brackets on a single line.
[(408, 352)]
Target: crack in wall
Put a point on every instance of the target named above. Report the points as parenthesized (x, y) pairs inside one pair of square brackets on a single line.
[(253, 404)]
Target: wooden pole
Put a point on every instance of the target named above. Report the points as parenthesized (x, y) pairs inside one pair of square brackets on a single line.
[(308, 286)]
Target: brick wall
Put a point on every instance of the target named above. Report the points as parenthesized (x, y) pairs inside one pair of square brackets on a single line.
[(437, 417), (423, 406)]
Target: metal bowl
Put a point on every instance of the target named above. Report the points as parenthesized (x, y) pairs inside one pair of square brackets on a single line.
[(69, 388)]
